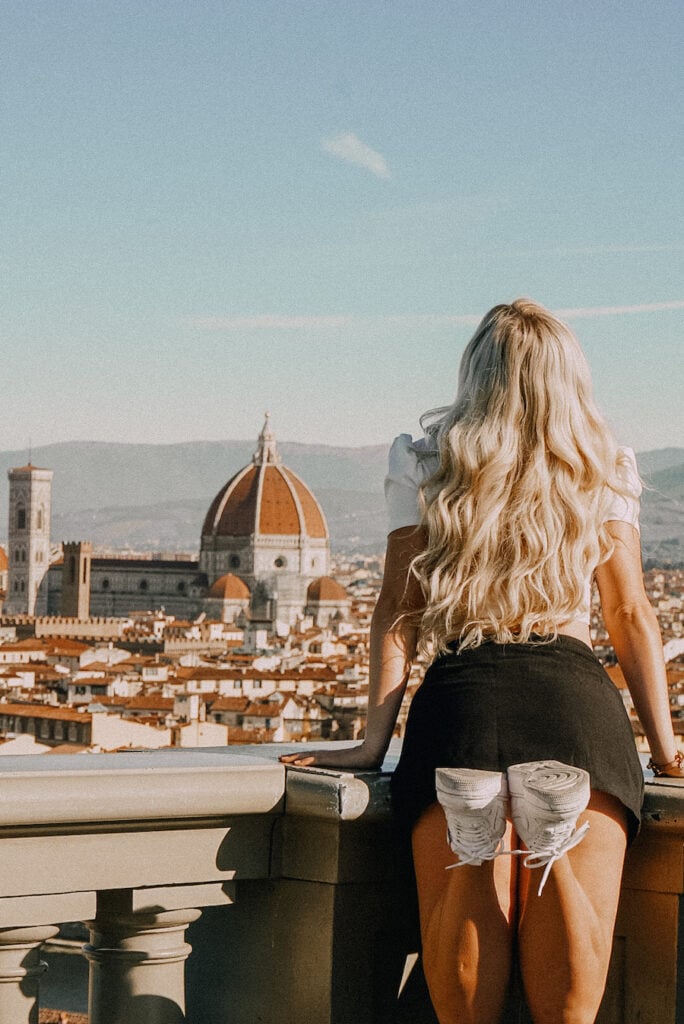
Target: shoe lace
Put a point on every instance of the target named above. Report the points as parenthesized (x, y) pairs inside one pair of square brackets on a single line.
[(471, 838), (549, 845)]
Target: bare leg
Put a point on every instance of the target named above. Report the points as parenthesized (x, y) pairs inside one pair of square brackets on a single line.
[(467, 926), (565, 935)]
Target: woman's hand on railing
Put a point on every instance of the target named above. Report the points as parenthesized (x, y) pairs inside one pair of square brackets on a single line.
[(345, 758)]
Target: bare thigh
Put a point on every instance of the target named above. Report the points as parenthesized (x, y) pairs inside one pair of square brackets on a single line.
[(566, 934), (468, 925)]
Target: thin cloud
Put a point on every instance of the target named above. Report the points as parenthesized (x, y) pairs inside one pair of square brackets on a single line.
[(348, 146), (269, 322), (277, 322), (643, 307)]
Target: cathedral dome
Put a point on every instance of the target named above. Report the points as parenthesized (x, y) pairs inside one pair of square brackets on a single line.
[(229, 588), (265, 498), (325, 588)]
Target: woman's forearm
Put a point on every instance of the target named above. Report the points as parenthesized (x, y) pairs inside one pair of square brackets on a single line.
[(634, 632), (636, 638), (392, 649)]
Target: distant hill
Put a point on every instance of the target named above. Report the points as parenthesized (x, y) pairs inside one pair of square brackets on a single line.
[(154, 497)]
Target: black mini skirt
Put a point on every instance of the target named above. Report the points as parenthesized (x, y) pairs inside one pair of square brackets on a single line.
[(501, 704)]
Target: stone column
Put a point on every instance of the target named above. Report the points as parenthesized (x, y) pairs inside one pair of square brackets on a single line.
[(137, 963), (20, 971)]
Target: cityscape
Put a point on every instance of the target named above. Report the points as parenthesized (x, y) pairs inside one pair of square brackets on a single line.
[(261, 638)]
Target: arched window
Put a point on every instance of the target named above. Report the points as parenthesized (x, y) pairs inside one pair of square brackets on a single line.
[(105, 584), (234, 562), (40, 518), (144, 586), (181, 587), (21, 517)]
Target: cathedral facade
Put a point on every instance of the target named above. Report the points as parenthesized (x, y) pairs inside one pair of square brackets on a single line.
[(264, 554)]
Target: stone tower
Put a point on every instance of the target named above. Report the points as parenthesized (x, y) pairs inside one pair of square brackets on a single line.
[(28, 535), (76, 579)]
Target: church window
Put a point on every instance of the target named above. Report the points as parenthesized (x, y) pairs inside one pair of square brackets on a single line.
[(181, 587), (39, 519), (21, 586), (234, 562), (144, 585), (105, 584), (21, 518), (280, 562)]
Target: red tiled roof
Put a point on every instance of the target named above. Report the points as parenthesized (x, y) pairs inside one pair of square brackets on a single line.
[(229, 588), (268, 499), (44, 711), (326, 589)]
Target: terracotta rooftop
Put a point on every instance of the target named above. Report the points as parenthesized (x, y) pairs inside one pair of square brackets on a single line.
[(265, 497)]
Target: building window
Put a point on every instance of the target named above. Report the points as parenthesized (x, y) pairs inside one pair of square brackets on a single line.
[(40, 519), (280, 562), (144, 586), (181, 587), (73, 734), (105, 584), (21, 518), (234, 562)]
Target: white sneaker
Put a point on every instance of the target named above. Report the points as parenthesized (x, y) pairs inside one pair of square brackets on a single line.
[(546, 799), (475, 804)]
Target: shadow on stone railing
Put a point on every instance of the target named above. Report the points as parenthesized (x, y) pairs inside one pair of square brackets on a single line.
[(296, 897)]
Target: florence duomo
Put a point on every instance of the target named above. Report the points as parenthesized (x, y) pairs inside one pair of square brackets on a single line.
[(264, 556)]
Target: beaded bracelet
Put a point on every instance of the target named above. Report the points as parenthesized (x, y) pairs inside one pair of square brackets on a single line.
[(663, 769)]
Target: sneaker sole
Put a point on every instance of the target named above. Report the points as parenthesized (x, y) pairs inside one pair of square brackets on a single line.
[(551, 786), (469, 788)]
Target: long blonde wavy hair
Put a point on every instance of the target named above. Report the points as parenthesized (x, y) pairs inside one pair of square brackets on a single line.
[(514, 513)]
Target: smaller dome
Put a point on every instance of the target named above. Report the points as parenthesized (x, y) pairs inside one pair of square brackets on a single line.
[(4, 564), (325, 588), (229, 588)]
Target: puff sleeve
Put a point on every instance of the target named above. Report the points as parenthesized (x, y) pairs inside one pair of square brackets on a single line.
[(406, 472), (625, 507)]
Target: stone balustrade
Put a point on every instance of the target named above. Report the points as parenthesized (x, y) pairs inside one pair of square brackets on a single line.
[(288, 886)]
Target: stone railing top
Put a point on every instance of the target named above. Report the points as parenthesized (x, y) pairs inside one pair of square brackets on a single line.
[(141, 785), (216, 782)]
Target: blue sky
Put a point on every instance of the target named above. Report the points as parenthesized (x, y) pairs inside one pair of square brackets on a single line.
[(217, 208)]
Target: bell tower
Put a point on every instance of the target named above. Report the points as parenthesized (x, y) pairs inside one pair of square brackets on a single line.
[(28, 536)]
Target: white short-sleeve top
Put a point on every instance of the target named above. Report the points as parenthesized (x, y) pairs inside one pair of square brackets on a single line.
[(412, 462)]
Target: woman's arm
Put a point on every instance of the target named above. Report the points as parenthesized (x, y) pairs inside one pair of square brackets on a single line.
[(392, 649), (634, 632)]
